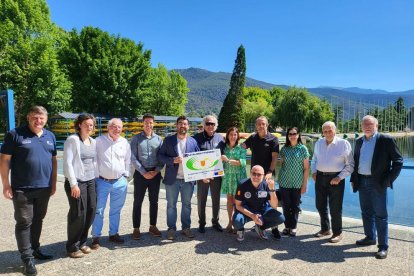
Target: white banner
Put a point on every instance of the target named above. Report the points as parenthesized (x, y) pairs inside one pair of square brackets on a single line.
[(202, 164)]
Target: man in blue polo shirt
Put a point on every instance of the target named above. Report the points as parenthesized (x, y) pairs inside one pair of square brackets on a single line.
[(29, 155), (256, 201)]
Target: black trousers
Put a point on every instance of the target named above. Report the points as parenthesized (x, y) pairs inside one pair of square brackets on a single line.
[(140, 187), (202, 193), (290, 203), (325, 194), (30, 207), (81, 214)]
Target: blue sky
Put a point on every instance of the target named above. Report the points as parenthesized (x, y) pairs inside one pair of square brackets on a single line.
[(343, 43)]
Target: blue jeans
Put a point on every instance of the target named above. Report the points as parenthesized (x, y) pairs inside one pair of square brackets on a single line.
[(186, 189), (270, 216), (117, 191), (373, 201)]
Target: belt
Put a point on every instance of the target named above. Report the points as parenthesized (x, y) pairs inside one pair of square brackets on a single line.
[(327, 173), (108, 180), (364, 176), (150, 169)]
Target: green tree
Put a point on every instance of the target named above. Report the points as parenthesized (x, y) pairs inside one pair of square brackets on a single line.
[(277, 95), (231, 113), (28, 57), (299, 108), (167, 94), (110, 74), (257, 102)]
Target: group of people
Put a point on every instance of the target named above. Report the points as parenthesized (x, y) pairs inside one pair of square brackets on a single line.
[(96, 169)]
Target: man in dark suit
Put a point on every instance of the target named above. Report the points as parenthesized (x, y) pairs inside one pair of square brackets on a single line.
[(171, 154), (378, 163)]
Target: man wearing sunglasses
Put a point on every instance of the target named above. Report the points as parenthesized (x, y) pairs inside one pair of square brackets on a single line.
[(256, 201), (208, 139)]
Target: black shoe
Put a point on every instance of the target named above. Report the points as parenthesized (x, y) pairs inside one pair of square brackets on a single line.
[(37, 254), (365, 242), (202, 228), (276, 234), (217, 227), (29, 267), (381, 254)]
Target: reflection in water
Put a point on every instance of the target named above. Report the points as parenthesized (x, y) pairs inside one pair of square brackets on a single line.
[(399, 199)]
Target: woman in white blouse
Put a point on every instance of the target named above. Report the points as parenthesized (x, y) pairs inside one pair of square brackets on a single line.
[(79, 164)]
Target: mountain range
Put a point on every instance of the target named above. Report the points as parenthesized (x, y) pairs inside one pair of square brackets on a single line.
[(208, 90)]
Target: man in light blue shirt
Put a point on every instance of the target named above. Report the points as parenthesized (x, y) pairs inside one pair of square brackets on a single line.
[(144, 149)]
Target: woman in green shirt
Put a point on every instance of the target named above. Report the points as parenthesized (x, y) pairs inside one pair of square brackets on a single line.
[(234, 158), (293, 178)]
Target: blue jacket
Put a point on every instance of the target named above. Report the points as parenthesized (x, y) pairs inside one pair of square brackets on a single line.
[(167, 153)]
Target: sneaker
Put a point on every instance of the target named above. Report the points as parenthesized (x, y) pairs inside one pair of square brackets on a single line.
[(136, 235), (187, 232), (95, 243), (261, 233), (153, 230), (76, 255), (171, 234), (276, 234), (85, 249), (336, 238), (323, 233), (116, 239), (240, 235)]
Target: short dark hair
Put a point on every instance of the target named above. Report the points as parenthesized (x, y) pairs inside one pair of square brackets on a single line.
[(182, 118), (228, 133), (83, 117), (148, 115), (287, 143)]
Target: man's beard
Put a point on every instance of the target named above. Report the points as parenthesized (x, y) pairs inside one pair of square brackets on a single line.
[(182, 130)]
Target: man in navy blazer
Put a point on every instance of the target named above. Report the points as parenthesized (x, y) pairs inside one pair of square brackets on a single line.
[(171, 154), (378, 163)]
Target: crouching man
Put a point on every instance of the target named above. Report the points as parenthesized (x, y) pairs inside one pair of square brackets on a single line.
[(256, 201)]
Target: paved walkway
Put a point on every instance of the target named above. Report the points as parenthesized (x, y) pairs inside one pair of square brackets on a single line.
[(211, 253)]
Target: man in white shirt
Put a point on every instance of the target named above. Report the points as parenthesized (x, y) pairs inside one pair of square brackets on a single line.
[(332, 162), (113, 159)]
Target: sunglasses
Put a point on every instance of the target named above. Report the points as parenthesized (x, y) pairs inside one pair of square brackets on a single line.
[(257, 174), (210, 124), (293, 134)]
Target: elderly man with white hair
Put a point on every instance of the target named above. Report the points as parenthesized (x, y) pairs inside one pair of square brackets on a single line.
[(208, 139), (113, 160), (378, 163), (332, 162)]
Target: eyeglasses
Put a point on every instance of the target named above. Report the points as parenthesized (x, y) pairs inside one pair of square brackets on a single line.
[(257, 174), (293, 134), (210, 124)]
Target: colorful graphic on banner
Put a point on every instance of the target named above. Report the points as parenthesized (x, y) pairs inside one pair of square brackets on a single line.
[(202, 164)]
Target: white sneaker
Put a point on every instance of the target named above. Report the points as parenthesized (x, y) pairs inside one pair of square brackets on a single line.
[(240, 235), (261, 233)]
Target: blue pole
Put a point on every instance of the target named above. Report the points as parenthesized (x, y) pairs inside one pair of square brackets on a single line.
[(11, 123)]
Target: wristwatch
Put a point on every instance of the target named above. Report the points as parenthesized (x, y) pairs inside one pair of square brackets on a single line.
[(272, 190)]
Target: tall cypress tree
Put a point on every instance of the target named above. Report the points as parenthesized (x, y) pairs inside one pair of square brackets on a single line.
[(231, 113)]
